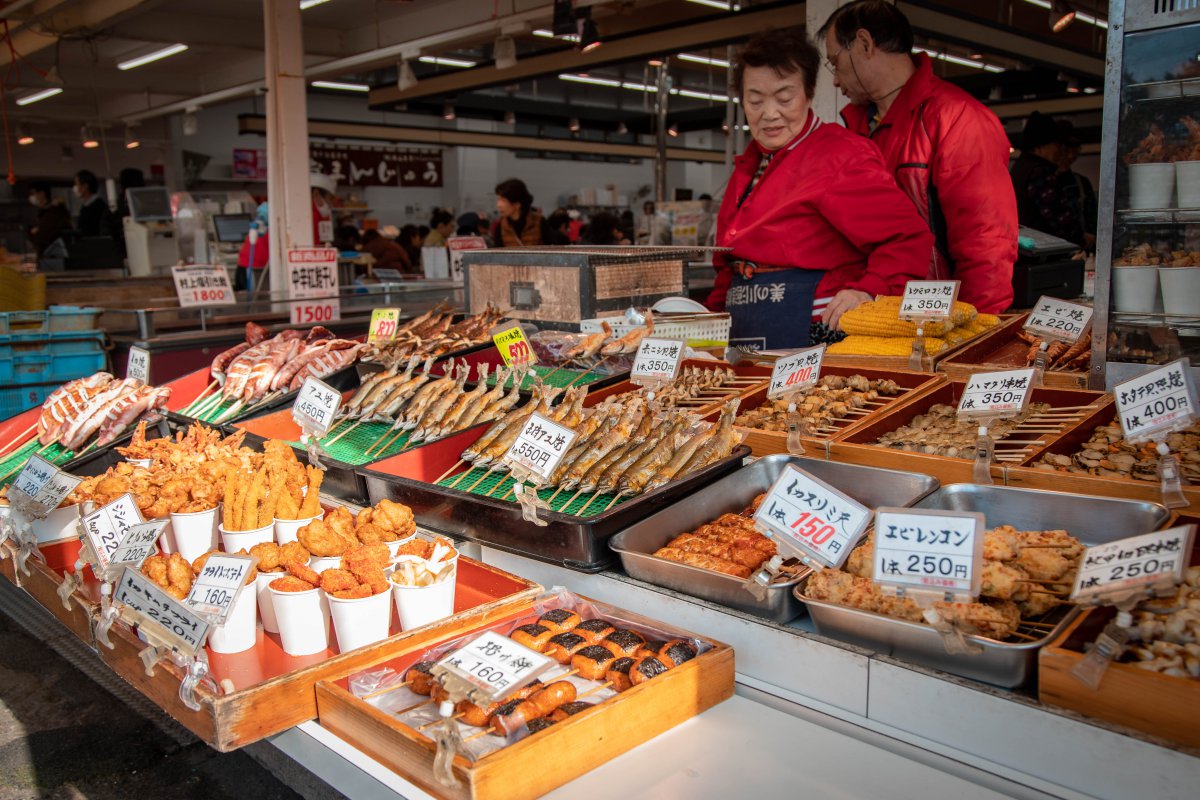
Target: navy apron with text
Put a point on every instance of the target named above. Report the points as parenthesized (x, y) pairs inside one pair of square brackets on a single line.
[(773, 310)]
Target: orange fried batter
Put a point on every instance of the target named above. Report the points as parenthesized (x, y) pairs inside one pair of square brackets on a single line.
[(293, 551), (357, 593), (304, 572), (337, 580), (321, 539), (289, 583), (268, 554), (394, 517)]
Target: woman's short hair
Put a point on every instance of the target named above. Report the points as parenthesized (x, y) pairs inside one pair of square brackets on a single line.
[(785, 50), (514, 191)]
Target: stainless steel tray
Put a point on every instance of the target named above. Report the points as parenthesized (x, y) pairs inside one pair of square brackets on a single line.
[(637, 543), (1092, 520)]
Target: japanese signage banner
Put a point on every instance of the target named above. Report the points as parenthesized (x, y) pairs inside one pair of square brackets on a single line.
[(312, 274), (352, 165)]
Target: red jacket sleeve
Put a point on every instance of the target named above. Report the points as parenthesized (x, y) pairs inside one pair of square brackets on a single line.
[(970, 173), (866, 206)]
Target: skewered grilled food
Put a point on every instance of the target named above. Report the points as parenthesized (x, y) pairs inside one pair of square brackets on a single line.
[(559, 620), (939, 431), (1166, 632), (1059, 355), (1108, 455), (592, 662), (623, 643), (833, 399), (562, 646), (594, 630), (433, 334), (730, 544), (98, 404), (533, 636)]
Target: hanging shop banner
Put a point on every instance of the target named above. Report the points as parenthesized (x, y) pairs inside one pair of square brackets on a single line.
[(249, 164), (353, 165), (312, 274)]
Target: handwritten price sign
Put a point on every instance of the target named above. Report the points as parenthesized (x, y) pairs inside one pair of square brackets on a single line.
[(796, 372), (494, 664), (312, 277), (657, 360), (1057, 319), (138, 544), (539, 447), (513, 346), (935, 552), (812, 517), (384, 324), (1139, 561), (218, 584), (928, 299), (316, 406), (107, 526), (178, 624), (138, 366), (45, 484), (996, 394), (1157, 402), (202, 285)]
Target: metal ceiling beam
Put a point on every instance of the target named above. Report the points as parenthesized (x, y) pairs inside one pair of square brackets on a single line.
[(86, 16), (253, 123), (703, 33), (208, 31), (1072, 104)]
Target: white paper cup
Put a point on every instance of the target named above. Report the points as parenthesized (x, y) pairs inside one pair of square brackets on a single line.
[(322, 563), (1180, 290), (166, 541), (360, 622), (303, 619), (233, 541), (1187, 183), (1135, 289), (61, 523), (286, 529), (266, 604), (240, 631), (195, 533), (394, 547), (1151, 185), (141, 462), (421, 605)]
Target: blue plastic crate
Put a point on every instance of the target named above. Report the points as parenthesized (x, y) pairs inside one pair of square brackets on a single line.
[(23, 322), (47, 357), (73, 318), (21, 398)]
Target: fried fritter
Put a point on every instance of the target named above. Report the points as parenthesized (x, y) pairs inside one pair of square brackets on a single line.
[(290, 583), (394, 517), (293, 551), (304, 572), (268, 554), (337, 580), (357, 593), (320, 539)]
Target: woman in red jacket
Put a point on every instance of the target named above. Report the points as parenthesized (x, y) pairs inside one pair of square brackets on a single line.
[(816, 224)]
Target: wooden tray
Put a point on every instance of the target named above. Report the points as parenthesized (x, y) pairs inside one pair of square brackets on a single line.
[(8, 567), (1033, 478), (928, 363), (765, 443), (546, 760), (1161, 705), (1000, 349), (756, 371), (274, 691), (858, 446), (43, 581)]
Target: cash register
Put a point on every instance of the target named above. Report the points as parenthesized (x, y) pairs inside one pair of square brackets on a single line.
[(1045, 267), (150, 240), (230, 230)]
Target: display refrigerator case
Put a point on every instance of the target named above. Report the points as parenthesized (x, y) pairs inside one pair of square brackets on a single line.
[(1148, 248)]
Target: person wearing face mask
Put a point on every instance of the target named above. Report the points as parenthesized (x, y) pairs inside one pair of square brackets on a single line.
[(947, 151), (95, 217), (53, 219), (816, 224), (323, 187)]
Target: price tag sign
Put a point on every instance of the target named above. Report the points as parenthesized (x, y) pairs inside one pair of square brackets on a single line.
[(218, 584), (513, 346), (1157, 402), (1052, 318), (929, 551), (182, 627), (316, 406), (106, 527), (45, 484), (138, 366), (138, 544), (657, 360), (812, 517), (1139, 561), (539, 447), (996, 394), (312, 276), (384, 324), (202, 285), (795, 372), (495, 664), (928, 299)]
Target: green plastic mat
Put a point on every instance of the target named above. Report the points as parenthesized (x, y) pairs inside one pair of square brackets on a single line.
[(351, 448), (211, 410), (553, 376), (498, 484), (10, 465)]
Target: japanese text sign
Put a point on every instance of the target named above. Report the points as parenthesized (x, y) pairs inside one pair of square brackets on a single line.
[(1052, 318), (540, 446), (495, 664), (384, 323), (657, 360), (137, 545), (45, 484), (185, 630), (220, 580), (1139, 561), (316, 405), (996, 394), (106, 527), (312, 285), (928, 299), (138, 365), (931, 551), (812, 517), (1156, 402), (795, 372), (513, 346), (202, 285)]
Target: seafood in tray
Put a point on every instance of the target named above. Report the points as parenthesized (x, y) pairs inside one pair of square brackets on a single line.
[(435, 333), (1106, 454), (1060, 356), (834, 399), (1165, 636)]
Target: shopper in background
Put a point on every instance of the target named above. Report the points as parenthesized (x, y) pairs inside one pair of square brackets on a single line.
[(323, 187), (948, 152), (53, 219), (346, 238), (560, 226), (410, 240), (255, 255), (468, 224), (519, 224), (387, 253), (804, 248), (95, 217), (604, 229), (1080, 193), (441, 227), (1042, 203)]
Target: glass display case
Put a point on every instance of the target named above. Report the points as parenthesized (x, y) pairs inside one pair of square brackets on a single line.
[(1148, 240)]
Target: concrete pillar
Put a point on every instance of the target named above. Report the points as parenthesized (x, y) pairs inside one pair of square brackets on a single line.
[(661, 102), (827, 100), (288, 190)]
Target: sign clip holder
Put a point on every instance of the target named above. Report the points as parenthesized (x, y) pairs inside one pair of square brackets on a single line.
[(1108, 647), (1168, 474), (796, 429), (985, 453)]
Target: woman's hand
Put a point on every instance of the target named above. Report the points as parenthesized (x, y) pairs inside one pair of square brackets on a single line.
[(842, 302)]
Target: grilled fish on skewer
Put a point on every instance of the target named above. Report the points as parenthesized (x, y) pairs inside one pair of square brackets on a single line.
[(629, 342), (589, 345)]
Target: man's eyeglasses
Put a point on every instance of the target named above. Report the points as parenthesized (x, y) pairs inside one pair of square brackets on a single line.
[(831, 62)]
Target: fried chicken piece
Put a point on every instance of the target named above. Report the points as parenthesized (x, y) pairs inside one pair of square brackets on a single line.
[(268, 555), (862, 559), (304, 572), (201, 560), (293, 551), (337, 580), (341, 522), (1002, 543), (179, 573), (357, 593), (417, 547), (290, 583), (367, 563), (394, 517), (370, 533), (155, 568), (320, 539)]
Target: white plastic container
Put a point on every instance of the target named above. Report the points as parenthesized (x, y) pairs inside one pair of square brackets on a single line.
[(286, 529), (240, 631), (60, 524), (421, 605), (360, 622), (303, 619), (236, 541), (1180, 290), (1135, 289), (322, 563), (195, 533), (1187, 183), (394, 547), (266, 604), (1151, 185)]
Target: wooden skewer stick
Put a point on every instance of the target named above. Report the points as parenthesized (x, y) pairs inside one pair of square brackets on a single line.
[(587, 372), (343, 433), (234, 409), (604, 685), (612, 502), (436, 721), (18, 439), (486, 472), (499, 483), (1027, 637), (371, 446), (1045, 625), (1046, 546), (560, 367), (483, 732), (385, 691), (389, 443), (446, 474), (201, 407), (588, 503), (202, 395)]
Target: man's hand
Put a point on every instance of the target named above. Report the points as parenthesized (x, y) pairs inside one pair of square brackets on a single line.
[(842, 302)]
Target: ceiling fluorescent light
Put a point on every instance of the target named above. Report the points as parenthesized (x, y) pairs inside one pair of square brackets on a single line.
[(40, 95), (341, 87), (305, 5), (724, 5), (566, 76), (714, 62), (442, 61), (960, 60), (161, 53), (546, 34)]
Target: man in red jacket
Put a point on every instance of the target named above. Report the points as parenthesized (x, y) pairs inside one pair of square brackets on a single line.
[(816, 224), (948, 152)]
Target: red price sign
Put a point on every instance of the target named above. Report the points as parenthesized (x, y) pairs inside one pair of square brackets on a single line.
[(796, 371), (202, 286)]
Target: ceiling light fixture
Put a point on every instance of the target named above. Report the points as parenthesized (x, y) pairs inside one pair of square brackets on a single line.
[(1079, 15), (950, 58), (724, 5), (622, 129), (132, 142), (673, 130), (713, 62), (567, 76), (504, 52), (448, 111), (305, 5), (510, 118), (191, 123), (23, 136), (443, 61), (1061, 15), (39, 95), (545, 34), (655, 61), (573, 125), (157, 55), (340, 86), (88, 138), (405, 78), (589, 35)]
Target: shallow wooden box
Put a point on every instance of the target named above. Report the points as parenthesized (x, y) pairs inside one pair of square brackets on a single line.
[(8, 567), (928, 363), (1161, 705), (757, 373), (1001, 349), (43, 581), (765, 443), (546, 760), (858, 446), (274, 691)]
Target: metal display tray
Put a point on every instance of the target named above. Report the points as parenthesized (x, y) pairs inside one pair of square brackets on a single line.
[(636, 545), (573, 542), (1092, 520)]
